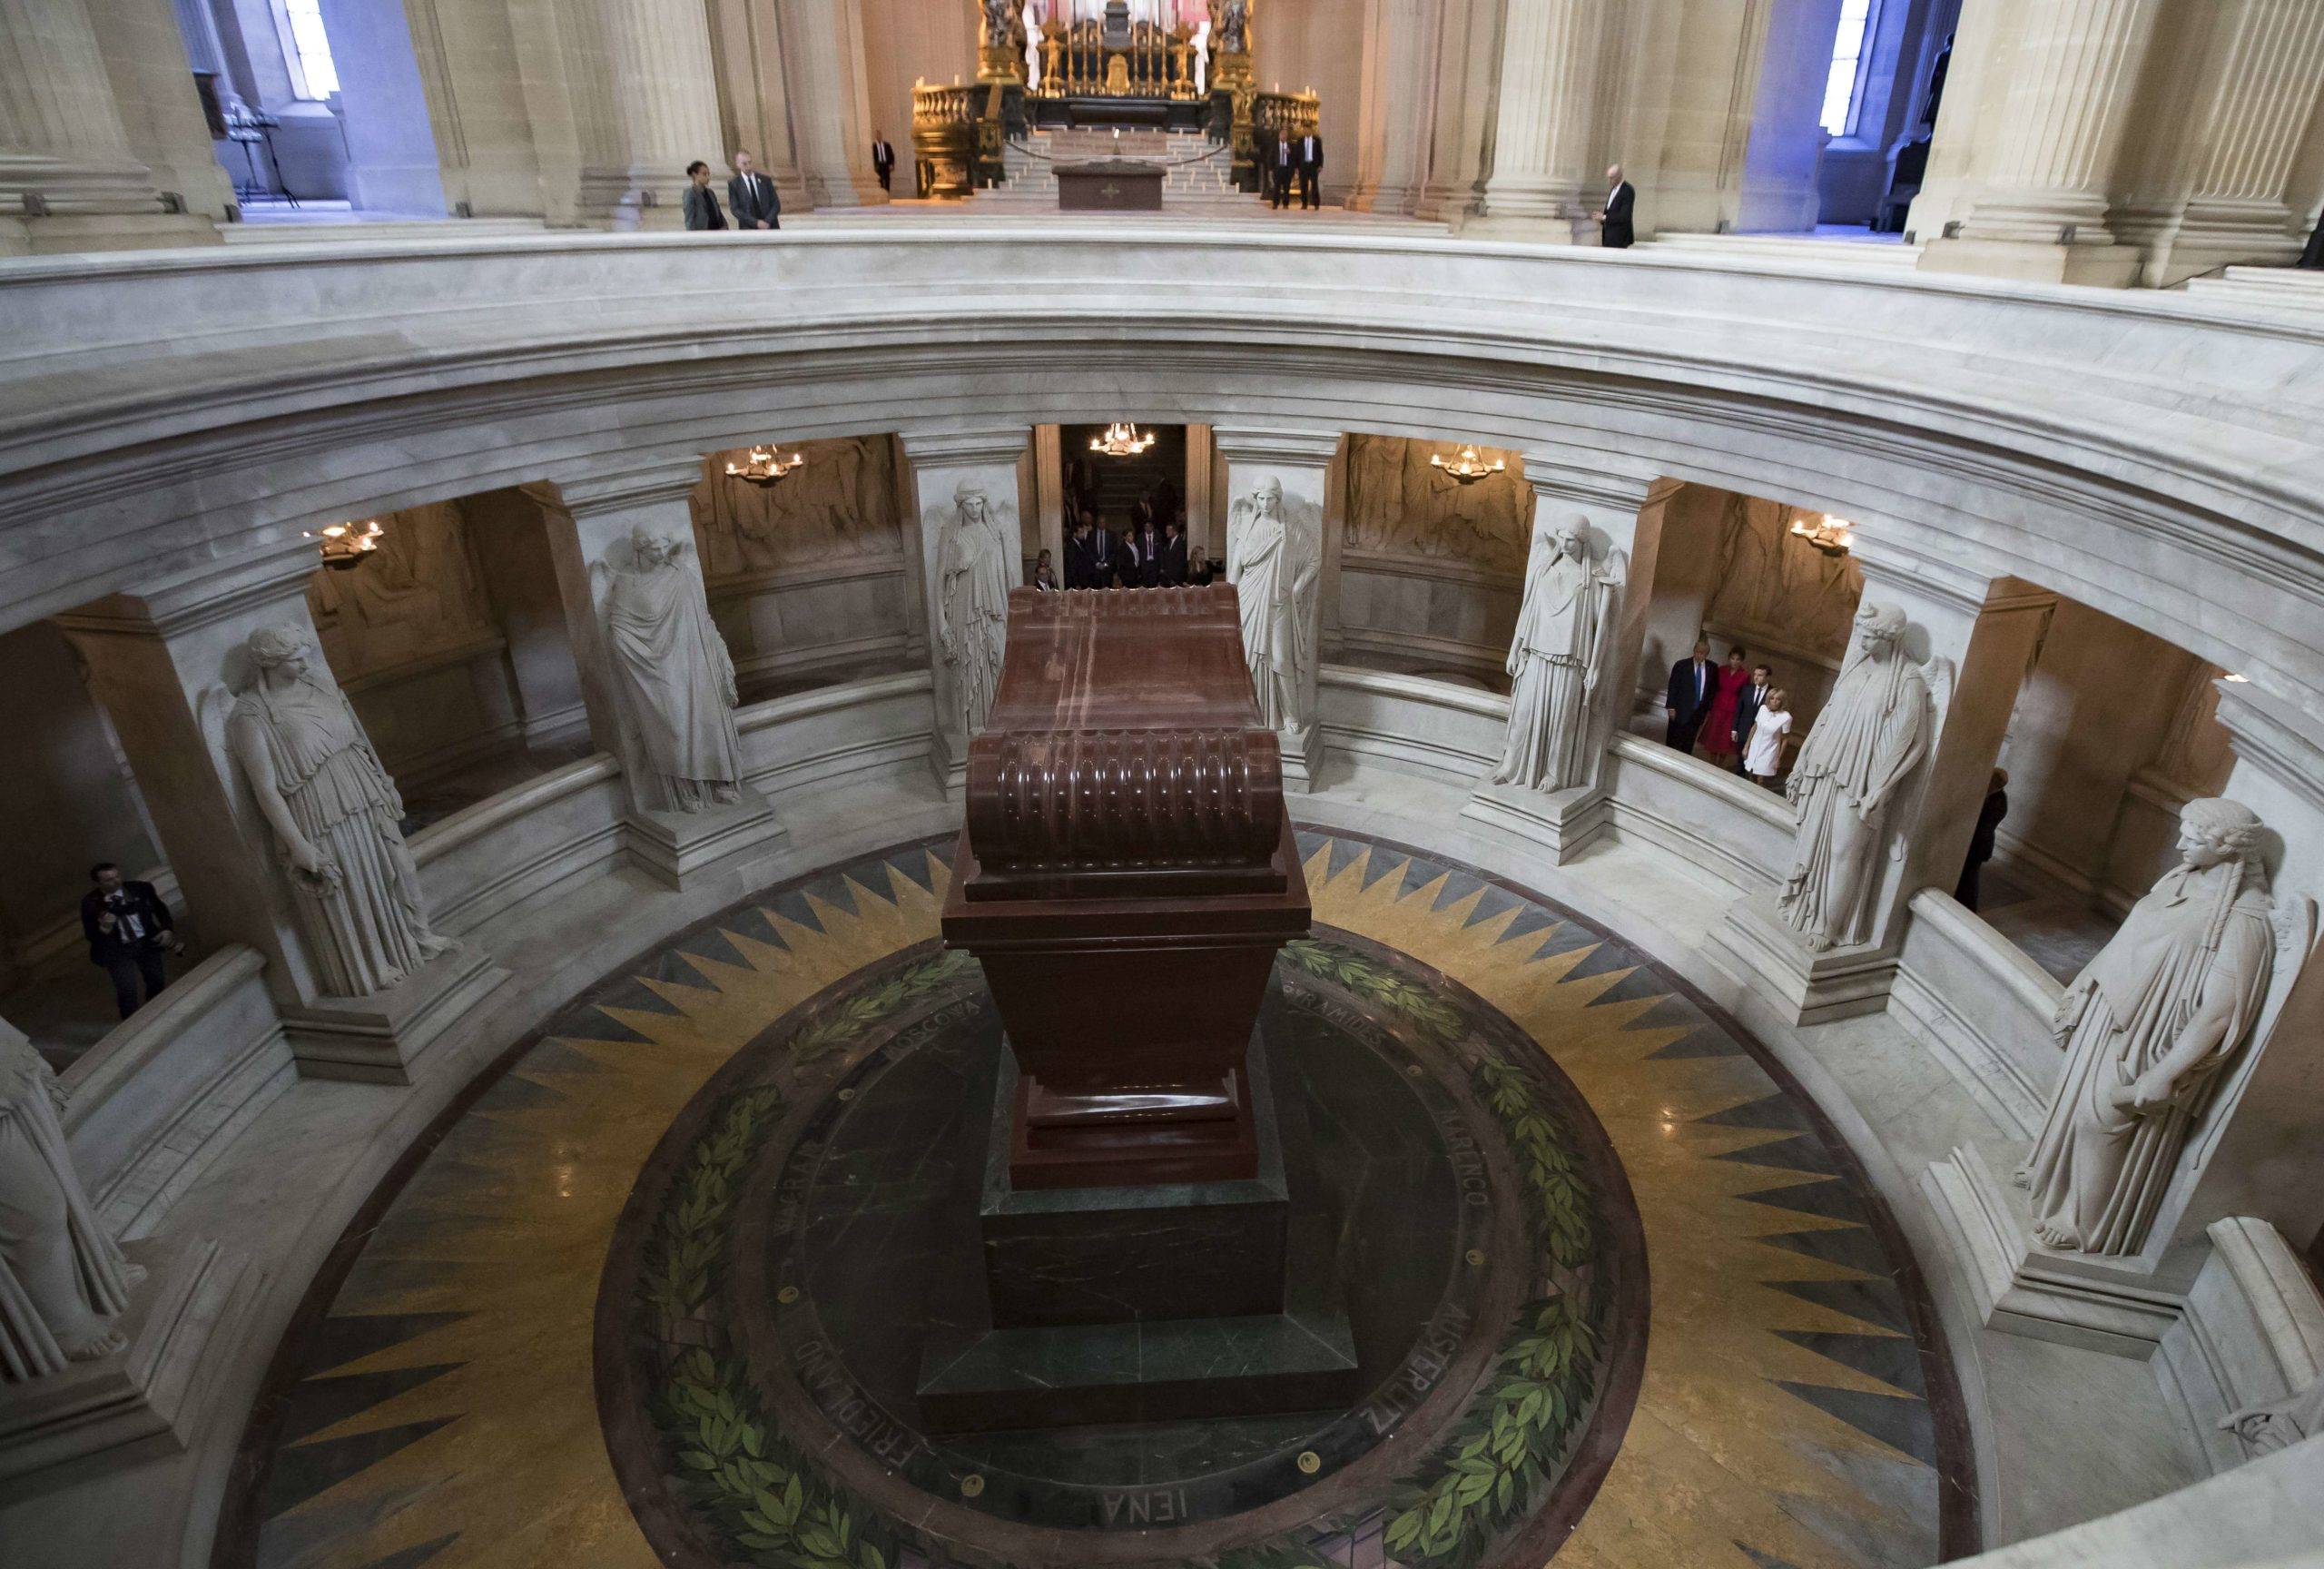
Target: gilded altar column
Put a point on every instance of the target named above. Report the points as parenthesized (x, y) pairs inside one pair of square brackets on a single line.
[(2041, 210), (68, 180), (2215, 179), (1545, 134)]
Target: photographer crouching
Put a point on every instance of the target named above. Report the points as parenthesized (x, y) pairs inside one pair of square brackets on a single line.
[(129, 930)]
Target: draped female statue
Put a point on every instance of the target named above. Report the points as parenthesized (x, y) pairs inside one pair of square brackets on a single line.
[(2146, 1030), (981, 563), (1863, 746), (675, 677), (1275, 566), (62, 1282), (334, 812), (1556, 657)]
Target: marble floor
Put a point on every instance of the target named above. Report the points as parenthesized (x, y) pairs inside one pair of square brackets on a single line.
[(651, 1294)]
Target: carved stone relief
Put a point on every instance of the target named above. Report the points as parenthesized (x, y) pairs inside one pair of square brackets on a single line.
[(1398, 504), (1772, 585), (417, 594), (840, 507)]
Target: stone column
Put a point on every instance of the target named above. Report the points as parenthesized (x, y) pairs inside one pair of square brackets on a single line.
[(1545, 140), (2041, 210), (1201, 510), (2220, 168), (822, 53), (1624, 535), (1299, 464), (150, 46), (940, 467), (1975, 638), (754, 109), (166, 661), (1399, 57), (1465, 59), (591, 517), (1049, 493), (665, 93), (68, 181)]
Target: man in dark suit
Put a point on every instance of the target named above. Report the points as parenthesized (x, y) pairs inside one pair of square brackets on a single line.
[(752, 197), (1309, 152), (1981, 841), (701, 201), (1747, 708), (129, 930), (1174, 554), (1693, 684), (1111, 556), (1081, 554), (1614, 218), (1145, 557), (884, 160), (1283, 172)]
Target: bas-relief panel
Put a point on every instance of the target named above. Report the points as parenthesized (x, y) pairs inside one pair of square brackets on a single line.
[(418, 597), (840, 508), (1399, 504)]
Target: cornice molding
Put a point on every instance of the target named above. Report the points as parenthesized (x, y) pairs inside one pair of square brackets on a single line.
[(2279, 738), (615, 485), (930, 451), (272, 573), (1260, 446)]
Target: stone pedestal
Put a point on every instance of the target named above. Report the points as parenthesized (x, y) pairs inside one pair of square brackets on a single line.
[(376, 1039), (140, 1394), (1150, 1304), (1562, 822), (1754, 946)]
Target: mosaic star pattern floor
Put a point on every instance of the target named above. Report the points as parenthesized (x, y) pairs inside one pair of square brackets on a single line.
[(523, 1361)]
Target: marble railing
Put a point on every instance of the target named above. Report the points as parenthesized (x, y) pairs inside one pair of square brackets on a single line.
[(158, 410), (1982, 1006)]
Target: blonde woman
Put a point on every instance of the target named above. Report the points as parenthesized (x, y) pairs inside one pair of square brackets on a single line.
[(1763, 747)]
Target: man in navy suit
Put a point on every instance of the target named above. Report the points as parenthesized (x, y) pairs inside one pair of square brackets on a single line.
[(1693, 684), (1748, 704), (1144, 568)]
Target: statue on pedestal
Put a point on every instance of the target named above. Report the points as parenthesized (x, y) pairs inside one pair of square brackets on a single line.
[(63, 1281), (1276, 566), (1865, 746), (1556, 657), (335, 815), (2146, 1030), (979, 565), (674, 677)]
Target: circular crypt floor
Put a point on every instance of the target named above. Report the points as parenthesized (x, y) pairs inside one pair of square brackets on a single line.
[(663, 1290)]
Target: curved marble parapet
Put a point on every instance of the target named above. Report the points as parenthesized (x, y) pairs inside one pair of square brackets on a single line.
[(2156, 455)]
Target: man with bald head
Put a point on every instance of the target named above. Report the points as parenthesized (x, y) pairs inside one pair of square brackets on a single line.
[(752, 197), (1614, 218)]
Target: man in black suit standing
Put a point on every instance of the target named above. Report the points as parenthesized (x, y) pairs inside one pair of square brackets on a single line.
[(1109, 556), (884, 160), (1693, 684), (1310, 159), (1614, 218), (1145, 556), (129, 930), (1081, 554), (1283, 172), (1174, 554), (1747, 708), (752, 197)]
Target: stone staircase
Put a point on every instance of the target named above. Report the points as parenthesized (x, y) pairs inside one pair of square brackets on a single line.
[(2281, 288), (1197, 169)]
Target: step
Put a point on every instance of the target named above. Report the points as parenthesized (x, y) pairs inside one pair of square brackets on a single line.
[(2281, 287)]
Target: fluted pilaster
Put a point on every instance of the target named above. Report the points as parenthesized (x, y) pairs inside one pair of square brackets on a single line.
[(2071, 95), (1391, 156), (63, 150), (1543, 143), (667, 96), (2266, 87)]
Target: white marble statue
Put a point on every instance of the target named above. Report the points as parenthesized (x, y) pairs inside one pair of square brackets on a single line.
[(675, 679), (1556, 659), (2146, 1030), (1275, 564), (62, 1282), (2279, 1423), (1872, 734), (334, 814), (981, 563)]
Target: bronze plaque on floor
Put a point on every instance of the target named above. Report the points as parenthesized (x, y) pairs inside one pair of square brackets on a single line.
[(1110, 185)]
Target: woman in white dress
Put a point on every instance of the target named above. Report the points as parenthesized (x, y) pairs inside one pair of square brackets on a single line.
[(1763, 750)]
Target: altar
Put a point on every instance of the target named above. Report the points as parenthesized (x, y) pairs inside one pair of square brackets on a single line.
[(1110, 185)]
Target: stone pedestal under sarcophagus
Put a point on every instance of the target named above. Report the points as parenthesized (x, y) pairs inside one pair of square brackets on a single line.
[(1125, 876)]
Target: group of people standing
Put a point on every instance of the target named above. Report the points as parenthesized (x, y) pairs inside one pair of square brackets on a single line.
[(1297, 160), (1145, 557), (1732, 713), (751, 197)]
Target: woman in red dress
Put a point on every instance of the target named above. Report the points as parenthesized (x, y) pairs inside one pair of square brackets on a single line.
[(1715, 740)]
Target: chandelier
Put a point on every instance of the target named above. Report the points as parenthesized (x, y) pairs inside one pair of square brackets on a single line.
[(1468, 465), (766, 467), (346, 545), (1828, 534), (1121, 441)]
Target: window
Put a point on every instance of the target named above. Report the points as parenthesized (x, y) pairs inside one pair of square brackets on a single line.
[(1846, 74), (306, 48)]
